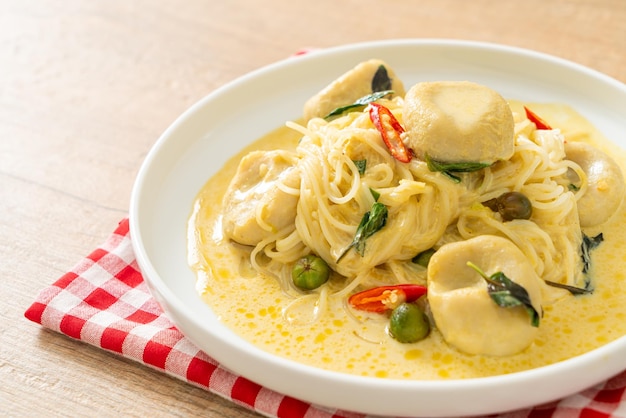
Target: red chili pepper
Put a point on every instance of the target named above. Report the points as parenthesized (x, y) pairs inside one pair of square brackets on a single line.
[(383, 298), (540, 123), (391, 131)]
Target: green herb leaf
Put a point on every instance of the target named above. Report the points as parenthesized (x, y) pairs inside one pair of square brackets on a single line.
[(381, 80), (361, 102), (458, 167), (588, 244), (361, 165), (508, 294), (375, 194), (371, 223), (424, 257)]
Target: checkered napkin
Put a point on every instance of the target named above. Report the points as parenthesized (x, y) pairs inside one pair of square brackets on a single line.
[(105, 302)]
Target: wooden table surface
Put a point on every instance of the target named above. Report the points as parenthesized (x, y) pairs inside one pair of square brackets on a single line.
[(86, 88)]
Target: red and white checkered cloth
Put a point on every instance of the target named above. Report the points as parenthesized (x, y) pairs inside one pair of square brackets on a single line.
[(105, 302)]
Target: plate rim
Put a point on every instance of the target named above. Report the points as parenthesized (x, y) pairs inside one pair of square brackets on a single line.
[(170, 302)]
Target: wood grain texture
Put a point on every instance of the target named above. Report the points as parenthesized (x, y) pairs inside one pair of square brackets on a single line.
[(86, 88)]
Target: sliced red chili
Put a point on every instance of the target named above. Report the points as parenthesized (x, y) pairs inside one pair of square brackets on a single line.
[(383, 298), (539, 123), (391, 131)]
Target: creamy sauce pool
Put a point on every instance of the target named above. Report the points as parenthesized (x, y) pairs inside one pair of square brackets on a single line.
[(253, 306)]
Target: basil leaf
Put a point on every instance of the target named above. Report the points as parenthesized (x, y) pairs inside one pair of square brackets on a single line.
[(381, 80), (361, 102), (458, 167), (508, 294), (588, 244), (371, 223), (375, 194), (424, 257), (360, 165)]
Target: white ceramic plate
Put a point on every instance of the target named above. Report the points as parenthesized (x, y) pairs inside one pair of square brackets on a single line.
[(205, 136)]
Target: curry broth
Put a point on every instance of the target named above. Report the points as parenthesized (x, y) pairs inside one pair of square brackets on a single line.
[(253, 305)]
